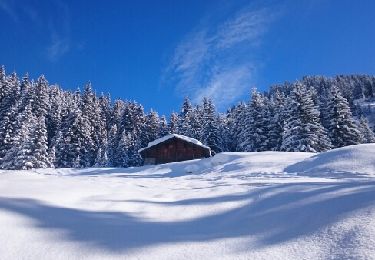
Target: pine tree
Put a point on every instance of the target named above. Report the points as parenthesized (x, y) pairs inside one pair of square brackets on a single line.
[(41, 97), (196, 122), (55, 114), (184, 126), (254, 134), (40, 157), (236, 121), (9, 106), (367, 134), (276, 113), (93, 126), (303, 131), (163, 127), (115, 156), (211, 132), (151, 129), (173, 124), (20, 153), (132, 124), (342, 128)]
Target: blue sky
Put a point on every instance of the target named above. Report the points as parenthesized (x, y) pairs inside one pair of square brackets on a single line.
[(157, 52)]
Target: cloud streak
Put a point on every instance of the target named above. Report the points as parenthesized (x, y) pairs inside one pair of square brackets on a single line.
[(59, 33), (218, 60), (8, 7), (55, 23)]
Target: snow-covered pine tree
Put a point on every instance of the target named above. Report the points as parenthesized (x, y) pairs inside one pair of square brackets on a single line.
[(196, 122), (211, 132), (132, 124), (41, 104), (184, 125), (229, 141), (173, 123), (342, 128), (9, 106), (115, 156), (19, 155), (303, 131), (93, 125), (55, 113), (74, 143), (103, 127), (163, 126), (68, 142), (223, 131), (151, 130), (236, 127), (255, 137), (367, 134), (39, 157), (276, 113)]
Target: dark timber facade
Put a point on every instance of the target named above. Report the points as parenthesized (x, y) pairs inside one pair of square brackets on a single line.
[(174, 150)]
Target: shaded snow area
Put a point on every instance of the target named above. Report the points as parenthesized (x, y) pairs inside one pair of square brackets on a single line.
[(267, 205)]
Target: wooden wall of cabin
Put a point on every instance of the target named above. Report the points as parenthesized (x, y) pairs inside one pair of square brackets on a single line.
[(175, 150)]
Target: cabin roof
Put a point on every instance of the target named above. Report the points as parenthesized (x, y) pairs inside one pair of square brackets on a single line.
[(170, 136)]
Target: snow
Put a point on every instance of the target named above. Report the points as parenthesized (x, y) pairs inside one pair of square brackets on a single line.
[(170, 136), (268, 205), (354, 160)]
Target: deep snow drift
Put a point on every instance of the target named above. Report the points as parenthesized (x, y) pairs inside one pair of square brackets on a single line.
[(267, 205), (355, 161)]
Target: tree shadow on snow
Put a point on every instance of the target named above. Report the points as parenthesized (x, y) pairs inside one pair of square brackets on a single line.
[(273, 214)]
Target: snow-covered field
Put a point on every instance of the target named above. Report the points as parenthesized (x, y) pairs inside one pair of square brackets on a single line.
[(266, 205)]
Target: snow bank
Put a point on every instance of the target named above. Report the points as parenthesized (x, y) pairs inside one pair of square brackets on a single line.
[(230, 206), (257, 162), (350, 161)]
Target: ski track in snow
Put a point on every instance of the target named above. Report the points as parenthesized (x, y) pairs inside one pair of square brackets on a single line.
[(268, 205)]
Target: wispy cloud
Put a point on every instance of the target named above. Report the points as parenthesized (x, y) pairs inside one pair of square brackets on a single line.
[(57, 48), (55, 23), (217, 60), (8, 7), (60, 34)]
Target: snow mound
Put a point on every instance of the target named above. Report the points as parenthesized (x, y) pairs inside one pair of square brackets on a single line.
[(257, 162), (354, 160)]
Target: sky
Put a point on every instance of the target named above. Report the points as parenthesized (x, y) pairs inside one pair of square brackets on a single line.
[(158, 52)]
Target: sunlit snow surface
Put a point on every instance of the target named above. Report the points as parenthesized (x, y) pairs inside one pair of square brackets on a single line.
[(267, 205)]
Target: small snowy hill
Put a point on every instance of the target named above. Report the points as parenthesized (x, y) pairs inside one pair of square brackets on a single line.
[(350, 161), (268, 205)]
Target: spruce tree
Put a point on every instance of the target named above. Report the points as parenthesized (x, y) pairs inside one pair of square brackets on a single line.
[(173, 124), (9, 109), (211, 132), (255, 131), (303, 131), (367, 134), (342, 128), (184, 126), (276, 113)]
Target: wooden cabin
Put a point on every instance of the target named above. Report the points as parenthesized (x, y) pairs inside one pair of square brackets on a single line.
[(174, 148)]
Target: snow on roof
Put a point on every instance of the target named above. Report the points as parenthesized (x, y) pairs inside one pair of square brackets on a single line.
[(170, 136)]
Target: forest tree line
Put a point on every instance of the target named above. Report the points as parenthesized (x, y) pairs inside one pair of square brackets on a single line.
[(43, 126)]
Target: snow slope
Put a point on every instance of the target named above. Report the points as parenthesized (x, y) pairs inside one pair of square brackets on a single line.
[(267, 205), (355, 160)]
